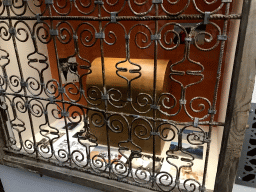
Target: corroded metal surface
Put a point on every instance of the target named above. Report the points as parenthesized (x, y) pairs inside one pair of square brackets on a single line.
[(153, 115)]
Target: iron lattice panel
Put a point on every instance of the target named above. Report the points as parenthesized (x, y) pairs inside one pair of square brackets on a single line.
[(35, 26), (246, 170)]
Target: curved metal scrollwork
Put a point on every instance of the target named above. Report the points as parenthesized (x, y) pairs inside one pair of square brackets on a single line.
[(138, 136)]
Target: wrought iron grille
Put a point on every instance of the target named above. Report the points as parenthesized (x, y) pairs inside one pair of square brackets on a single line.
[(45, 43), (245, 174)]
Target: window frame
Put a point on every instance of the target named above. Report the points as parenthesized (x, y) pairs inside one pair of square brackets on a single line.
[(235, 126)]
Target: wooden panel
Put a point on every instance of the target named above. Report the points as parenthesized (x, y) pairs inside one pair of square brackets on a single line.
[(239, 102), (74, 176), (2, 140)]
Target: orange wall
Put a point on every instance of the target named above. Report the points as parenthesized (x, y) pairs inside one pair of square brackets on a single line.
[(208, 59)]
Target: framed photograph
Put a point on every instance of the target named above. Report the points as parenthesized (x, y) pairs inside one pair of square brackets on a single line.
[(196, 150)]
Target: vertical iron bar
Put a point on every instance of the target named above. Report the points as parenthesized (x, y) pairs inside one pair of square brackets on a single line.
[(215, 94), (60, 84), (154, 94), (104, 87), (22, 80), (2, 99), (4, 122), (4, 126)]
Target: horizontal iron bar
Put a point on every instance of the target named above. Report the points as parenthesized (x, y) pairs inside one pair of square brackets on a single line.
[(121, 113), (125, 18)]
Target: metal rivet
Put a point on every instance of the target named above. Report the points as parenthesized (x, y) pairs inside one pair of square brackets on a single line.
[(155, 37), (113, 17), (157, 1), (48, 2), (98, 2), (206, 17), (7, 2), (61, 90), (196, 120), (156, 107), (100, 35), (104, 97), (222, 37), (54, 32), (127, 37), (38, 18), (188, 39)]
